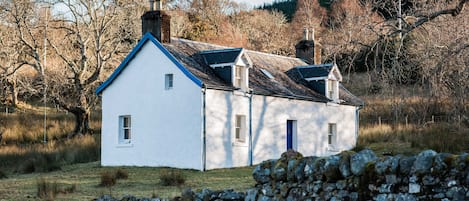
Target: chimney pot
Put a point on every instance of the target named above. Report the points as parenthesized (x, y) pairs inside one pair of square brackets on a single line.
[(159, 5), (305, 34), (312, 34), (152, 4)]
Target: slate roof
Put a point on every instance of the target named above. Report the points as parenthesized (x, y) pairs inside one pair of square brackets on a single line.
[(196, 55), (192, 58)]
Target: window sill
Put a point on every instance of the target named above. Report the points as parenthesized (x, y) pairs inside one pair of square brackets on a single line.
[(125, 145), (332, 149), (239, 144)]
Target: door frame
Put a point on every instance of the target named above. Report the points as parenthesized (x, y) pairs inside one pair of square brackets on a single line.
[(291, 134)]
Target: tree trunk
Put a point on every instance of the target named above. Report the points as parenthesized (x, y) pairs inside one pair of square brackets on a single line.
[(82, 122), (13, 92)]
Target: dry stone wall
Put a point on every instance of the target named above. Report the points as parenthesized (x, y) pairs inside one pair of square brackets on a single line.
[(363, 176), (350, 176)]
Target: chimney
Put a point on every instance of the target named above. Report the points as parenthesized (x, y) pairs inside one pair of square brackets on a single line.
[(309, 49), (157, 22)]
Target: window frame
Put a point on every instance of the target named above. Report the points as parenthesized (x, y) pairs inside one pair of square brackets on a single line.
[(332, 89), (240, 129), (238, 76), (332, 134), (125, 131), (168, 81)]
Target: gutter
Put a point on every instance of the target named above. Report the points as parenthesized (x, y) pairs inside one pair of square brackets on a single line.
[(204, 130), (357, 123), (250, 129)]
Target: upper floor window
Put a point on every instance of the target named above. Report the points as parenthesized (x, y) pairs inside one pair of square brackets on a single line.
[(125, 128), (168, 80), (332, 89), (238, 78)]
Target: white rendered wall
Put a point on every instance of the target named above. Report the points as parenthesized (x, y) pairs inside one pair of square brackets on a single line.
[(269, 120), (222, 149), (270, 115), (166, 124)]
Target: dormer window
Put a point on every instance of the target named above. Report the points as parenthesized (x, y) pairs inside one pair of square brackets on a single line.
[(231, 65), (239, 80), (238, 76), (332, 89), (323, 78)]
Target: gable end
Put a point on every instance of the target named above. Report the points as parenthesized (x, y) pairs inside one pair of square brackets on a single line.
[(147, 37)]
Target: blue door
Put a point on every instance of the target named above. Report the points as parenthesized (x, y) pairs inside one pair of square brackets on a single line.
[(289, 134)]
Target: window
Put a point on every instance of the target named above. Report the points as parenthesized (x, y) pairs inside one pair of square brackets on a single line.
[(125, 129), (332, 89), (168, 80), (332, 134), (238, 76), (267, 73), (240, 128)]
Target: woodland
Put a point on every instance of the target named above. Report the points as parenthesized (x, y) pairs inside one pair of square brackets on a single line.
[(57, 52)]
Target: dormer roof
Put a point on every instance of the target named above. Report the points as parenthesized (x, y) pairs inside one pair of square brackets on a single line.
[(320, 72), (221, 56)]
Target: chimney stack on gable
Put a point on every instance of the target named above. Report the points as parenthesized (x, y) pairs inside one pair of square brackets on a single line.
[(309, 49), (157, 22)]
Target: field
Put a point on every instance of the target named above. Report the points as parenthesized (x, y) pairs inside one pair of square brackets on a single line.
[(70, 167), (141, 182)]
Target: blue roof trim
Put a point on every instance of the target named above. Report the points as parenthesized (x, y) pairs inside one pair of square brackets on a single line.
[(147, 37)]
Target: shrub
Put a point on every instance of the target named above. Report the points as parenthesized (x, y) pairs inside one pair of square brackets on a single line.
[(108, 179), (70, 189), (121, 174), (46, 190), (3, 175), (26, 166), (39, 163), (172, 177)]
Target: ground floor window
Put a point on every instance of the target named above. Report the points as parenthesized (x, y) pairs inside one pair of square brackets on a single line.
[(240, 128), (125, 127), (332, 134)]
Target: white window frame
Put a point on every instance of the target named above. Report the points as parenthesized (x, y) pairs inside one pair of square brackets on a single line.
[(240, 129), (123, 138), (332, 89), (332, 135), (239, 76), (168, 81)]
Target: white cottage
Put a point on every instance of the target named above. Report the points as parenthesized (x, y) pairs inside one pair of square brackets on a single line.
[(187, 104)]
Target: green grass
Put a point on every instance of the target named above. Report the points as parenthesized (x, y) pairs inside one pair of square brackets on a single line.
[(141, 182)]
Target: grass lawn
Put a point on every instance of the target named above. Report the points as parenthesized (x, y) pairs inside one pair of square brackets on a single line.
[(141, 182)]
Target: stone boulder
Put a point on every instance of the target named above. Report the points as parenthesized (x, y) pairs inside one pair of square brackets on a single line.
[(359, 161)]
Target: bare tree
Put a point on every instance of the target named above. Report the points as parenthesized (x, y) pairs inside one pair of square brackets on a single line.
[(21, 41), (265, 31), (9, 65), (87, 41)]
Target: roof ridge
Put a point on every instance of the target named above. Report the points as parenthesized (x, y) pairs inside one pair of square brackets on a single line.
[(245, 49), (316, 65)]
